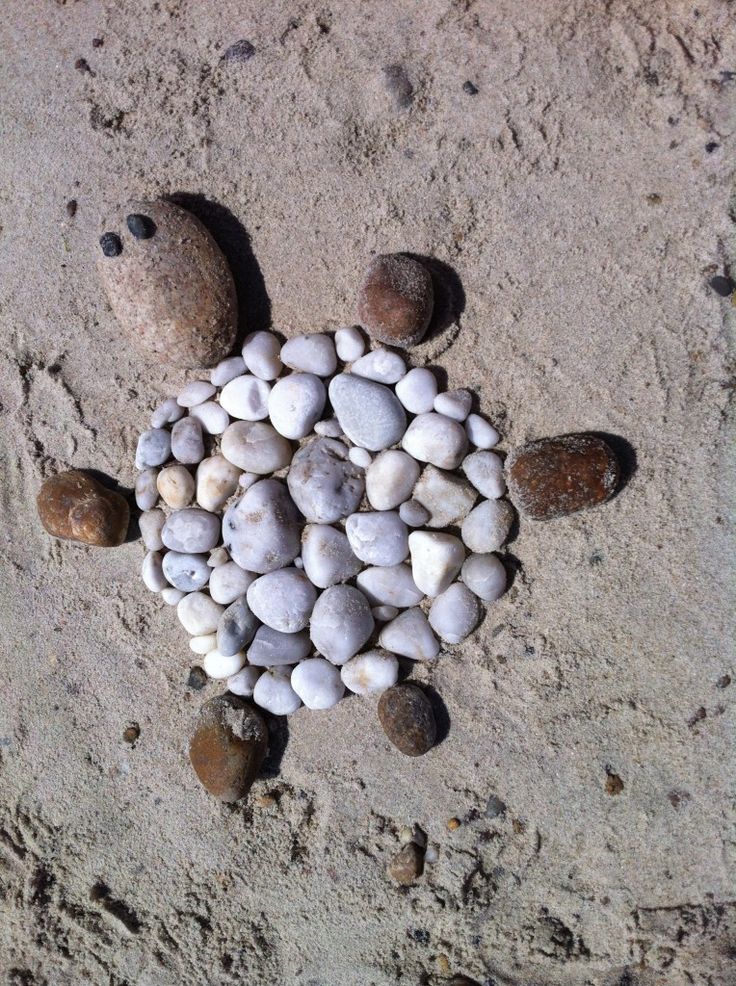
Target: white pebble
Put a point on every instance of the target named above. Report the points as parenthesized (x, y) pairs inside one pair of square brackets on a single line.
[(378, 537), (227, 370), (360, 457), (410, 635), (341, 623), (298, 563), (203, 643), (243, 682), (146, 491), (154, 448), (218, 557), (261, 355), (213, 418), (176, 486), (437, 439), (455, 613), (370, 673), (454, 404), (487, 526), (247, 479), (369, 413), (329, 428), (317, 683), (255, 446), (381, 365), (273, 692), (485, 576), (485, 472), (151, 524), (413, 513), (195, 393), (191, 531), (167, 413), (382, 614), (220, 666), (283, 600), (187, 443), (311, 354), (246, 398), (229, 582), (480, 433), (199, 614), (349, 343), (327, 556), (186, 572), (261, 531), (172, 596), (271, 648), (435, 560), (393, 585), (447, 497), (217, 480), (152, 572), (296, 403), (390, 479), (417, 390)]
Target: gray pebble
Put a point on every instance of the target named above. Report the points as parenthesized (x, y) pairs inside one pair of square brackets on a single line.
[(327, 556), (154, 448), (272, 649), (369, 413), (262, 530), (185, 571), (167, 413), (447, 497), (324, 483), (187, 443), (378, 537), (152, 573), (341, 623), (146, 489), (413, 513), (151, 524), (191, 531), (236, 628), (283, 600)]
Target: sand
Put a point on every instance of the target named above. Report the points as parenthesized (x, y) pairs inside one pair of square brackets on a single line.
[(581, 199)]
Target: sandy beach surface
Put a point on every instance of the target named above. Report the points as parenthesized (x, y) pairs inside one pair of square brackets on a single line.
[(571, 166)]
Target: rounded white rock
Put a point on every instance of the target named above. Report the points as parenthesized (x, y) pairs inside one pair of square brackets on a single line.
[(262, 530), (283, 600), (329, 428), (360, 456), (485, 472), (296, 403), (220, 666), (437, 439), (199, 614), (454, 404), (317, 683), (393, 585), (327, 556), (213, 418), (369, 413), (172, 596), (382, 614), (185, 571), (227, 370), (480, 433), (153, 449), (271, 648), (176, 485), (310, 353), (414, 514), (261, 355), (167, 413), (151, 524), (411, 636), (455, 613), (417, 390), (187, 443), (435, 560), (229, 581), (390, 479), (247, 479), (217, 480), (191, 531), (378, 537), (246, 398), (371, 672), (243, 682), (485, 576), (341, 623), (255, 446), (146, 490), (203, 643), (381, 365), (447, 497), (195, 393), (487, 526), (273, 692), (152, 572), (349, 343)]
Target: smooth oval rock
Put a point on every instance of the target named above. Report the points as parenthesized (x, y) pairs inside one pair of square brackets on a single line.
[(317, 683), (487, 526), (407, 865), (283, 600), (262, 530), (480, 433), (172, 292), (436, 439), (369, 413), (226, 370), (228, 582), (191, 531), (198, 614), (391, 585), (236, 628), (341, 623), (255, 446), (553, 477), (295, 404), (454, 404), (217, 480), (176, 485), (203, 643), (411, 636), (324, 483), (327, 556), (244, 681), (390, 479), (407, 718), (228, 746), (378, 537), (381, 365), (485, 576), (414, 514), (186, 571), (246, 398), (153, 449), (151, 523), (271, 648), (187, 441), (313, 353), (213, 418), (74, 506), (146, 490), (417, 390), (396, 299), (195, 393), (167, 413), (436, 560), (220, 666), (371, 672), (152, 572), (448, 498), (455, 613), (485, 472), (349, 343), (261, 354), (273, 692), (360, 456)]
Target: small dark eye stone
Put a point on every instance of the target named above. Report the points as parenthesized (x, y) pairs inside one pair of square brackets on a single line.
[(111, 244), (140, 226)]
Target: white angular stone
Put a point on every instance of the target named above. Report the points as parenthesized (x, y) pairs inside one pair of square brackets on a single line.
[(341, 623), (485, 472), (371, 672), (172, 596), (437, 439), (199, 614), (151, 524), (213, 418), (480, 433), (227, 370), (243, 682), (349, 343), (378, 537), (447, 497), (255, 446), (220, 666), (360, 456), (413, 513), (218, 556), (273, 692), (317, 683), (187, 443), (417, 390), (262, 530), (329, 428), (195, 393), (311, 354), (186, 571), (390, 479), (229, 581), (382, 614), (272, 648), (146, 490), (369, 413), (455, 613), (435, 560), (393, 585), (217, 480), (204, 643), (410, 635), (327, 556), (153, 449), (261, 355), (191, 531), (167, 413), (283, 600), (152, 572), (295, 404), (487, 526), (454, 404), (381, 365), (323, 482), (485, 576), (176, 485), (246, 398)]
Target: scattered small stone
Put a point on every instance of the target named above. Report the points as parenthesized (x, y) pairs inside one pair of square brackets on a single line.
[(417, 391), (246, 398), (324, 484), (349, 343), (283, 600), (407, 865), (369, 413), (371, 672), (176, 486), (255, 446), (317, 683), (71, 208), (154, 448), (454, 404), (360, 457), (218, 557), (480, 433), (398, 84), (111, 245), (131, 733), (410, 636), (495, 808), (261, 354), (487, 526), (406, 715), (436, 439), (453, 824), (228, 747), (724, 681), (311, 354), (187, 441), (390, 479), (413, 513), (273, 692), (614, 784), (141, 227), (723, 286), (240, 52), (329, 428), (197, 678), (220, 666), (431, 855), (455, 613), (381, 365), (396, 300), (82, 65), (485, 576), (74, 506), (97, 42), (341, 623)]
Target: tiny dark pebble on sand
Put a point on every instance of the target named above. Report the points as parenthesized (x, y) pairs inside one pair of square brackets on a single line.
[(197, 678), (399, 85), (82, 65), (711, 146), (724, 681), (131, 733), (723, 286), (71, 208), (241, 51), (97, 42), (142, 227), (614, 784), (469, 88), (111, 244)]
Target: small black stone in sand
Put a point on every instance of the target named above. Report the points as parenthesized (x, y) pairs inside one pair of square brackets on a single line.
[(71, 208), (469, 88), (82, 65), (97, 42), (140, 226), (241, 51), (722, 286), (111, 244), (711, 146), (197, 678)]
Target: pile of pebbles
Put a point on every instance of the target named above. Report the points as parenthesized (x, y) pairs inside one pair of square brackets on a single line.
[(313, 522)]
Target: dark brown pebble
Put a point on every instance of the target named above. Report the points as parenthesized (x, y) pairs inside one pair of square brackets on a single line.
[(469, 88), (614, 784), (228, 746), (398, 84), (407, 718), (142, 227), (197, 678), (97, 42), (407, 865), (396, 300), (82, 65), (553, 477), (131, 733), (71, 208), (111, 244), (76, 507)]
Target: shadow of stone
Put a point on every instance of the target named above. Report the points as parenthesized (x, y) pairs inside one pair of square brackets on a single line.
[(441, 713), (626, 455), (278, 739), (449, 297)]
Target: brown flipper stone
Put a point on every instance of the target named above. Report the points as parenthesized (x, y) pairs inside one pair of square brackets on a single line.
[(228, 746), (396, 300), (407, 718), (76, 507)]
